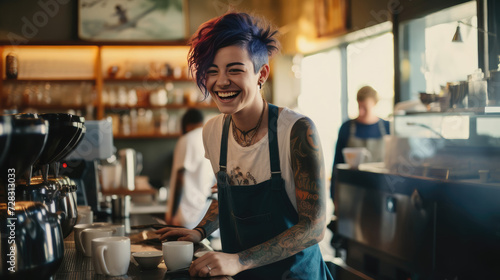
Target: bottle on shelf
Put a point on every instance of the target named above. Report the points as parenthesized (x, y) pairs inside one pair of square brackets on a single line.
[(163, 122), (11, 65), (132, 97)]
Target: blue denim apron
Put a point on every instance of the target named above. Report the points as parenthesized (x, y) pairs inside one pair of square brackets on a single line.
[(251, 215)]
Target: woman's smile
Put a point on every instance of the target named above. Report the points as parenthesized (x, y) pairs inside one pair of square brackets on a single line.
[(227, 94)]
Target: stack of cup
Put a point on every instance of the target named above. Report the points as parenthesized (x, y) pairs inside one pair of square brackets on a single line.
[(88, 234), (84, 233), (111, 253)]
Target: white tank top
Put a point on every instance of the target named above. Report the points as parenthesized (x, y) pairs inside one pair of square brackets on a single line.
[(250, 165)]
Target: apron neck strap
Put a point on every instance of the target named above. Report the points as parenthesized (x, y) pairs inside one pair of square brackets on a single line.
[(352, 128), (381, 126), (272, 133), (223, 144)]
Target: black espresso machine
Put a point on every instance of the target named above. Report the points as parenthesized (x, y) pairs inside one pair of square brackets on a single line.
[(81, 165)]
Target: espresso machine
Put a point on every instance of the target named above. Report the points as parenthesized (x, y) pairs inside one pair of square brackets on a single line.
[(81, 165), (31, 244), (64, 133)]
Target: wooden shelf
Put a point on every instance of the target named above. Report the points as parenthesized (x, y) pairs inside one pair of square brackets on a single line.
[(56, 107), (149, 79), (53, 107), (79, 42), (148, 135), (55, 80), (168, 106)]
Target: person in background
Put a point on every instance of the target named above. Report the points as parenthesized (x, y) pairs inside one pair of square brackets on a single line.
[(271, 207), (192, 177), (367, 130)]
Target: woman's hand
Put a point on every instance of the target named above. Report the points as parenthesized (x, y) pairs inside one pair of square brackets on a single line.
[(181, 234), (216, 264)]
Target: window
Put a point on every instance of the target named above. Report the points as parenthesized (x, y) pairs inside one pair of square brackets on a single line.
[(371, 62), (320, 98), (429, 58)]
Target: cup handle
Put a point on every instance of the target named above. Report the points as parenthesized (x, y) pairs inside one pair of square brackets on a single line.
[(100, 259), (80, 243)]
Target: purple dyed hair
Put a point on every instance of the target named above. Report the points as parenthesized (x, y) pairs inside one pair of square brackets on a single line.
[(231, 29)]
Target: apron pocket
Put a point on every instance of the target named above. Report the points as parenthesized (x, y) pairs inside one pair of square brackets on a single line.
[(254, 230)]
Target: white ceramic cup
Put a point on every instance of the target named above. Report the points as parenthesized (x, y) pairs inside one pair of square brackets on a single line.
[(77, 233), (177, 254), (111, 255), (85, 217), (92, 233), (355, 156)]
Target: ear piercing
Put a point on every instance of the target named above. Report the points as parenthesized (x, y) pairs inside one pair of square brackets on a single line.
[(260, 84)]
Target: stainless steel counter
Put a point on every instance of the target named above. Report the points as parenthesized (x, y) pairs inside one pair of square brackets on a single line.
[(395, 226)]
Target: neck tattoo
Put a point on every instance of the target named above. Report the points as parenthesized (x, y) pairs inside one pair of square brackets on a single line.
[(245, 138)]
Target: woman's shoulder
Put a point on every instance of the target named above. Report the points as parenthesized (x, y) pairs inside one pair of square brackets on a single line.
[(214, 122), (213, 125), (289, 116)]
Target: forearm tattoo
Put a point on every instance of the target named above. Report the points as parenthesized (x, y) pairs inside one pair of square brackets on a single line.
[(211, 220), (307, 165)]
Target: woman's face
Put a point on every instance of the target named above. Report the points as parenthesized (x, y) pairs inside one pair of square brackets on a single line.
[(232, 81)]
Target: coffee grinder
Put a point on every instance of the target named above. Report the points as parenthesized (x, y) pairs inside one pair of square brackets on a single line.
[(81, 165)]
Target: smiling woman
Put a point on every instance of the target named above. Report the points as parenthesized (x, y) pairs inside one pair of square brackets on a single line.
[(268, 160), (233, 82), (214, 35)]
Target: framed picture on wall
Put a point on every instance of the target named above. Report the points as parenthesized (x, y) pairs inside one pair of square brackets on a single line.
[(331, 16), (132, 20)]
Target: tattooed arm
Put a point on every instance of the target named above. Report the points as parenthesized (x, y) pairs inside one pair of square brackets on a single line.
[(209, 223), (307, 166)]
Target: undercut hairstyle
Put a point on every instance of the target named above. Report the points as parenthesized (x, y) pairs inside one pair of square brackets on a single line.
[(367, 92), (232, 29)]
